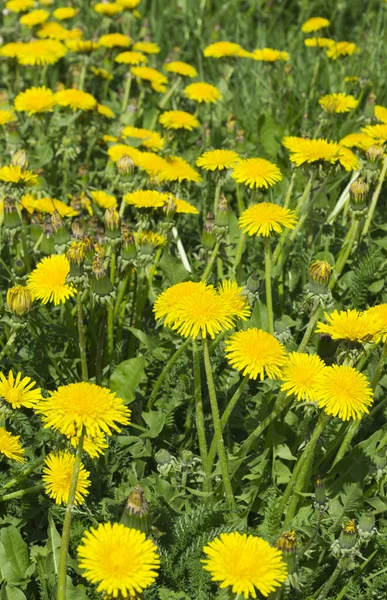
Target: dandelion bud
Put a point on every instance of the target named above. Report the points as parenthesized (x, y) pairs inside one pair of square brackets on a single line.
[(11, 217), (319, 275), (369, 109), (348, 536), (19, 267), (19, 300), (163, 457), (319, 492), (112, 223), (380, 461), (374, 153), (125, 165), (128, 247), (83, 170), (103, 288), (76, 252), (208, 235), (230, 124), (47, 245), (287, 543), (19, 159), (221, 219), (253, 283), (136, 512), (358, 193), (366, 522), (169, 209), (77, 229)]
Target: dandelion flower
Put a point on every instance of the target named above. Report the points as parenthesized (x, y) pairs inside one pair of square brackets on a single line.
[(128, 4), (113, 40), (57, 475), (19, 392), (155, 78), (315, 24), (377, 132), (217, 160), (119, 150), (122, 561), (184, 207), (338, 103), (75, 99), (300, 374), (256, 172), (35, 100), (352, 325), (145, 238), (131, 58), (49, 205), (222, 49), (181, 68), (178, 119), (35, 17), (381, 113), (147, 47), (309, 151), (102, 73), (232, 294), (105, 111), (265, 217), (357, 140), (19, 300), (202, 92), (341, 49), (109, 9), (82, 45), (86, 405), (151, 163), (256, 353), (15, 174), (244, 563), (318, 42), (379, 313), (7, 116), (10, 446), (269, 55), (12, 50), (17, 6), (146, 199), (348, 159), (150, 139), (103, 199), (93, 446), (65, 12), (177, 169), (343, 392), (41, 52), (47, 282)]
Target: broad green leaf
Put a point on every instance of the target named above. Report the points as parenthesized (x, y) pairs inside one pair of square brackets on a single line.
[(127, 376), (8, 592), (16, 550), (173, 269), (155, 421)]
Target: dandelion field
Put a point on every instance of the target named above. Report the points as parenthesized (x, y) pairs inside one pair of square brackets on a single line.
[(193, 332)]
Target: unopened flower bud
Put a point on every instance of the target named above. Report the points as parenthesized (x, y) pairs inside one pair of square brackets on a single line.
[(47, 245), (366, 522), (287, 543), (125, 165), (83, 170), (208, 235), (136, 512), (230, 124), (380, 461), (374, 153), (221, 219), (319, 492), (369, 109), (253, 283), (112, 223), (348, 535), (128, 246), (77, 229), (358, 192), (19, 159), (319, 275), (19, 300), (169, 208), (163, 457), (103, 288), (11, 216), (19, 267)]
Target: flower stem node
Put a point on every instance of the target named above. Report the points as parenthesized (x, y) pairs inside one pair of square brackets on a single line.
[(287, 543), (136, 511)]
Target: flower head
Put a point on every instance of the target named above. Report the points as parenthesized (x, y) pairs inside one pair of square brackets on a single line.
[(256, 353), (218, 160), (7, 116), (348, 159), (131, 58), (265, 217), (181, 68), (128, 4), (352, 325), (112, 40), (150, 139), (105, 111), (202, 92), (35, 17), (334, 51), (318, 42), (122, 561), (379, 313), (19, 392), (244, 563), (310, 151), (10, 446), (256, 172), (75, 99), (146, 237), (65, 12), (82, 45), (146, 199), (109, 9), (232, 295), (57, 474), (157, 80), (184, 207), (40, 52), (380, 113), (77, 405), (19, 300), (15, 174), (357, 140), (177, 169), (35, 100), (47, 282), (315, 24), (119, 150), (222, 49), (269, 55), (103, 74), (338, 103), (300, 374), (56, 31), (178, 119), (47, 205), (377, 132), (343, 392), (18, 6), (147, 47), (103, 199)]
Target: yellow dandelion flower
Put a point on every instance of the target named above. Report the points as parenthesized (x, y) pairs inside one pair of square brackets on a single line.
[(309, 151), (315, 24), (338, 103), (222, 49), (113, 40), (245, 54), (177, 169), (82, 45), (122, 561), (83, 405), (377, 132), (232, 294), (131, 58), (128, 4), (102, 73), (202, 92), (103, 199), (19, 392), (342, 49), (265, 217), (50, 205), (380, 113), (105, 111), (119, 150), (155, 78), (47, 282), (109, 138), (379, 313), (10, 446), (75, 99), (57, 474), (56, 31), (184, 207), (35, 100), (167, 301), (348, 159), (244, 563), (318, 42), (145, 237), (93, 446), (351, 79), (151, 163), (352, 325), (357, 140), (65, 12), (146, 47), (12, 174), (178, 119), (218, 160), (269, 55), (41, 52), (108, 9), (343, 392), (256, 172), (35, 17), (256, 353), (17, 6), (300, 374), (12, 50), (150, 139), (7, 116), (146, 199), (181, 68)]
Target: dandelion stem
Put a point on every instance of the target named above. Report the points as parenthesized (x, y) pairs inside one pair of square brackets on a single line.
[(345, 444), (217, 425), (110, 316), (269, 299), (30, 468), (121, 291), (165, 371), (238, 254), (81, 336), (21, 493), (322, 593), (375, 197), (211, 261), (314, 317), (200, 425), (128, 82), (344, 255), (62, 569), (8, 343), (217, 194)]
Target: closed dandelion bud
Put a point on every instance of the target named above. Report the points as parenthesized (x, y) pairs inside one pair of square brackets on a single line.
[(77, 229), (61, 233), (103, 288), (19, 300), (319, 275), (83, 170), (358, 193), (112, 223), (11, 217), (319, 492), (366, 522), (221, 219), (287, 543), (208, 235), (19, 267), (76, 255), (128, 246), (348, 536), (47, 245), (370, 105), (125, 165), (380, 461), (136, 511), (230, 124), (89, 249), (163, 457), (169, 209), (374, 153), (253, 283), (19, 159)]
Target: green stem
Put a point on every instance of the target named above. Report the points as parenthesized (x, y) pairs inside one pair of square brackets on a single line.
[(24, 472), (200, 425), (121, 292), (314, 317), (217, 425), (21, 493), (375, 197), (8, 343), (62, 569), (110, 315), (321, 595), (82, 341), (217, 194), (345, 444), (379, 368), (125, 100), (269, 299), (344, 255), (165, 371), (211, 261), (290, 189), (239, 252)]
